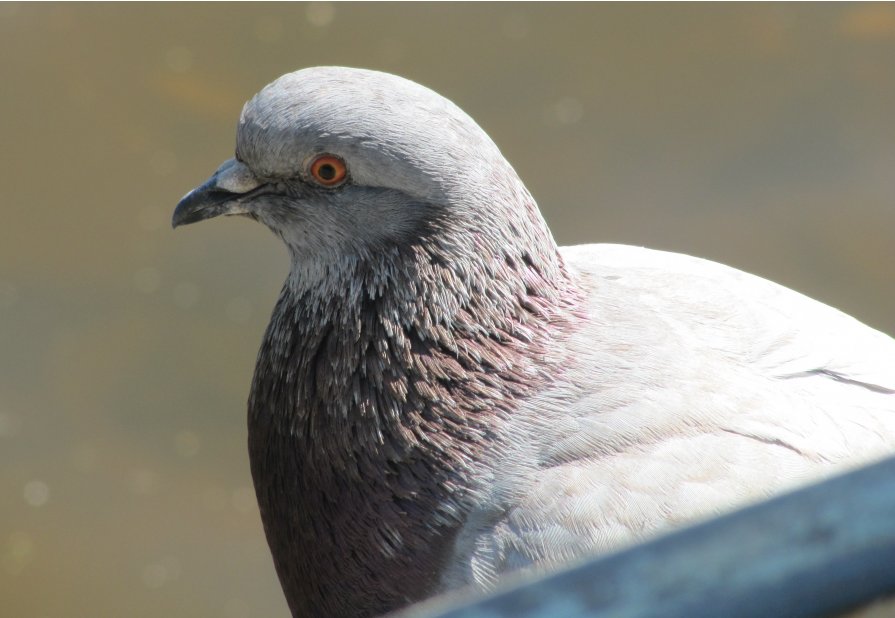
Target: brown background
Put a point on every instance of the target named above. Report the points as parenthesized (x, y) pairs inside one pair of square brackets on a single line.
[(762, 136)]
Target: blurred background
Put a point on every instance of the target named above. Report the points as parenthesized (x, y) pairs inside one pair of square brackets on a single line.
[(761, 136)]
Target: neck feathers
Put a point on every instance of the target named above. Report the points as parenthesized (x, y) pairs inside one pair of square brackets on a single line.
[(375, 399)]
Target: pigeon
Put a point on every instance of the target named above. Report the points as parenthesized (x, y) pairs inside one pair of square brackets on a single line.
[(443, 396)]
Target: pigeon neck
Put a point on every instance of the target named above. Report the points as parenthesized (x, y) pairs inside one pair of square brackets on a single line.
[(375, 402), (413, 329)]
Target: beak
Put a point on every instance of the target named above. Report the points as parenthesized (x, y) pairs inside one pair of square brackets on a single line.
[(225, 193)]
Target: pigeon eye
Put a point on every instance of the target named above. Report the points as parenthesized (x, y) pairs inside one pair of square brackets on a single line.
[(328, 170)]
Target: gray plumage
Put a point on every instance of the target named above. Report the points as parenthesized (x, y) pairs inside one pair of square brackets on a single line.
[(443, 395)]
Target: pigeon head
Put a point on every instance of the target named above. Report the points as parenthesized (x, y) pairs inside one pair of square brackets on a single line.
[(345, 164)]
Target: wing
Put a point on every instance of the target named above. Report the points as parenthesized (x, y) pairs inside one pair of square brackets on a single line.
[(692, 388)]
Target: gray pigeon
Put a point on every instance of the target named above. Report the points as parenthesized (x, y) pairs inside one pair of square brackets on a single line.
[(443, 395)]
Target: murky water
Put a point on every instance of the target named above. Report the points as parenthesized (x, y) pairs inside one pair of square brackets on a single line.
[(762, 136)]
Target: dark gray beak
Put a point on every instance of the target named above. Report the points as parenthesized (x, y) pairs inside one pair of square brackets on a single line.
[(225, 193)]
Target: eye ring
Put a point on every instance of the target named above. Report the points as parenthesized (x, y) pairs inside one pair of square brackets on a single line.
[(328, 170)]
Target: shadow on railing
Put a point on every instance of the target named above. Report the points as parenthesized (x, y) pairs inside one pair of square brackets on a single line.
[(819, 551)]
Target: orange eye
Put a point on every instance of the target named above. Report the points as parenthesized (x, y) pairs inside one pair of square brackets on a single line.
[(328, 170)]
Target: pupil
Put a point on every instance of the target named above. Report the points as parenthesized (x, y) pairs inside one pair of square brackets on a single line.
[(327, 171)]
